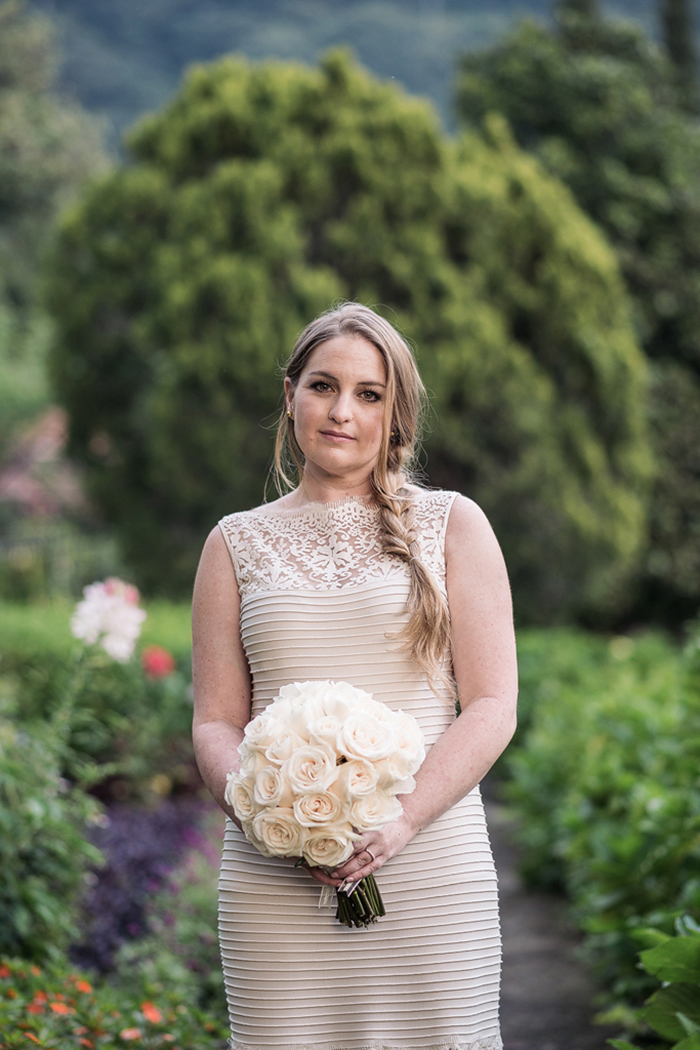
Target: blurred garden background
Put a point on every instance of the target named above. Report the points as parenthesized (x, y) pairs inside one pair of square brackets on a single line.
[(182, 187)]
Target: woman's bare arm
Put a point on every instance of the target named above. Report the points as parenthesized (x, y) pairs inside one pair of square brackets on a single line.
[(220, 673)]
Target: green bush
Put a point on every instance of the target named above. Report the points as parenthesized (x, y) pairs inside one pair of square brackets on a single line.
[(123, 725), (258, 196), (605, 790), (60, 1009), (674, 1010), (44, 856)]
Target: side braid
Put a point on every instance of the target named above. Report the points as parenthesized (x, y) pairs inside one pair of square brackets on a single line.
[(427, 634)]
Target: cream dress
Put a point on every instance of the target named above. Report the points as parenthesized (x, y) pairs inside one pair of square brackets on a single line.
[(319, 600)]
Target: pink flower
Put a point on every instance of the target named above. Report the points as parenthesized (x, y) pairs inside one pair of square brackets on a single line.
[(157, 662)]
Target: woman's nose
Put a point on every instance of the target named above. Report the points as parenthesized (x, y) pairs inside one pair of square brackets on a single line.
[(341, 408)]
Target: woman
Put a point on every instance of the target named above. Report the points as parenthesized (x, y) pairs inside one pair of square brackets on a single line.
[(356, 575)]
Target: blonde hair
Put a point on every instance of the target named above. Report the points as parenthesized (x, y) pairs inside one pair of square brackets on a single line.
[(427, 633)]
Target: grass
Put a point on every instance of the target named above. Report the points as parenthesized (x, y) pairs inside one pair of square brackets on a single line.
[(45, 627)]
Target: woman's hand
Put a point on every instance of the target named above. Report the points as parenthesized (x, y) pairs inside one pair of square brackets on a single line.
[(372, 850)]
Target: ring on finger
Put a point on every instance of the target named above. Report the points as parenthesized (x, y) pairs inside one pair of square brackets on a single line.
[(366, 850)]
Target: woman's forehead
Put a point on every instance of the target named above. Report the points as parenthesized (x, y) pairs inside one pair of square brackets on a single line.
[(348, 356)]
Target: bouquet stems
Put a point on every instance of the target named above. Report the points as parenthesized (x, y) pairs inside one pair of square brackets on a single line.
[(362, 906)]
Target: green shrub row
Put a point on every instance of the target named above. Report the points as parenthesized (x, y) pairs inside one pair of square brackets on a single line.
[(76, 726), (604, 786), (62, 1009)]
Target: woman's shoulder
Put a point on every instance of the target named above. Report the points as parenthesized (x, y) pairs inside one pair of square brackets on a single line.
[(263, 510), (432, 504)]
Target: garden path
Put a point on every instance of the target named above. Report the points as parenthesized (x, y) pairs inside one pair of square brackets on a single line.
[(547, 998)]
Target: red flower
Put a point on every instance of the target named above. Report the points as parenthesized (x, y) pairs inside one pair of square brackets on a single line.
[(151, 1013), (157, 662), (83, 986), (61, 1008), (5, 971), (130, 1033), (35, 1008)]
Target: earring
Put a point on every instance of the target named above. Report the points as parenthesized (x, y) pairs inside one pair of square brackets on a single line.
[(289, 413)]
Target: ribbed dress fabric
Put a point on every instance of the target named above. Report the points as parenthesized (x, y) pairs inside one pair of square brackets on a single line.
[(318, 598)]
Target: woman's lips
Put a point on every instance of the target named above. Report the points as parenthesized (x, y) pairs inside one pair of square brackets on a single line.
[(334, 435)]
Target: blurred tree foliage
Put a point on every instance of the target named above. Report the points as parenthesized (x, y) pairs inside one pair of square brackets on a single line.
[(603, 108), (124, 57), (47, 148), (264, 192)]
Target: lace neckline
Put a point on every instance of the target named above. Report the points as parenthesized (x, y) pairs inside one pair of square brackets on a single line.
[(319, 506)]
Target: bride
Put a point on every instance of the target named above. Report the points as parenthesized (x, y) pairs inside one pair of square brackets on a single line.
[(359, 575)]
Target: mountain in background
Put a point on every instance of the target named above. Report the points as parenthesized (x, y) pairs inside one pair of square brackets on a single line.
[(125, 57)]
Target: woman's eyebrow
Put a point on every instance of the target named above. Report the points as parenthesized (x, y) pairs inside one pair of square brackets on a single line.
[(362, 382)]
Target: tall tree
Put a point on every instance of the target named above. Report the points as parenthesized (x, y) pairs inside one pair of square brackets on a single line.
[(264, 192), (597, 103), (48, 147), (679, 37)]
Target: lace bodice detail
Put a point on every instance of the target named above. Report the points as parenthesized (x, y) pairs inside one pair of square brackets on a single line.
[(329, 546)]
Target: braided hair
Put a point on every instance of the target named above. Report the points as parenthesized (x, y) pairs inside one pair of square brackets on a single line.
[(427, 633)]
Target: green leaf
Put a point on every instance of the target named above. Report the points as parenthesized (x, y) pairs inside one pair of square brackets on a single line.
[(677, 960), (665, 1007), (691, 1043), (620, 1044)]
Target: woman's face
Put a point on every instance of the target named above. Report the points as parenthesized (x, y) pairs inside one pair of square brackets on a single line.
[(338, 409)]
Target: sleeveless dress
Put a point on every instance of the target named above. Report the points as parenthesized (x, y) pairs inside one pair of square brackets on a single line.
[(320, 600)]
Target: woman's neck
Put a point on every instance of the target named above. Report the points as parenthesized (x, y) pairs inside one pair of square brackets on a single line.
[(331, 490)]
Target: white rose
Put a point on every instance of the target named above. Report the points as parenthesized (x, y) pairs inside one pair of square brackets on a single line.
[(268, 786), (364, 736), (239, 796), (310, 768), (252, 761), (374, 811), (356, 778), (320, 808), (325, 730), (326, 849), (260, 731), (279, 832), (283, 747)]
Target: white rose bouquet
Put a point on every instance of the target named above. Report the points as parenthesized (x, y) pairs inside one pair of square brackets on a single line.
[(321, 765)]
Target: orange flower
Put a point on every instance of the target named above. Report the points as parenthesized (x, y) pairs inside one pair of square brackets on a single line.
[(61, 1008), (5, 971), (11, 993), (40, 997), (35, 1008), (60, 997), (151, 1013), (32, 1037), (83, 986), (130, 1033), (35, 970), (88, 1043)]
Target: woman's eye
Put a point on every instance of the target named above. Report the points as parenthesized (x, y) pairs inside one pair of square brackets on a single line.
[(320, 385), (369, 395)]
